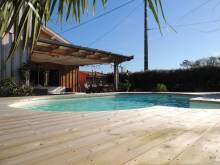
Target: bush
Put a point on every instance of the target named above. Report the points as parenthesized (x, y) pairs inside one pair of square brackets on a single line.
[(124, 87), (9, 88), (161, 88), (203, 79), (23, 91)]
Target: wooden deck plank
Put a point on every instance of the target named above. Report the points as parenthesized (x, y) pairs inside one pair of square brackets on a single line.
[(155, 135), (67, 126), (208, 146), (98, 128), (77, 131), (124, 152)]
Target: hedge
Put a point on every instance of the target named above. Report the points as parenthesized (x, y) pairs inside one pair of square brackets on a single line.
[(181, 80)]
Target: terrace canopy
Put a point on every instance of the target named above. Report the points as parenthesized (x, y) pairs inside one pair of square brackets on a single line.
[(60, 53)]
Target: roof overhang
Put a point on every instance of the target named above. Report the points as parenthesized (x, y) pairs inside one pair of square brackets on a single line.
[(50, 51), (47, 33)]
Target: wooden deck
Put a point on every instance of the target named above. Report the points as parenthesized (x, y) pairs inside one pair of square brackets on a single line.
[(152, 136)]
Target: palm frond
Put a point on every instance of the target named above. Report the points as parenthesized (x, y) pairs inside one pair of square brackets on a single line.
[(25, 17)]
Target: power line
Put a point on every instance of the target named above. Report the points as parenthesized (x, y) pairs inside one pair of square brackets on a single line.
[(207, 31), (116, 26), (194, 9), (97, 17), (186, 25)]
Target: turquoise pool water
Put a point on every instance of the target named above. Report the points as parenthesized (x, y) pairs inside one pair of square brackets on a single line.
[(116, 102)]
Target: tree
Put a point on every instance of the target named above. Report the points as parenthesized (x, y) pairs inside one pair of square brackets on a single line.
[(203, 62), (212, 61), (186, 64), (196, 64), (27, 16), (218, 61)]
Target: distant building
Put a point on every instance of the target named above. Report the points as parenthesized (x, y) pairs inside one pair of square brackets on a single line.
[(90, 78)]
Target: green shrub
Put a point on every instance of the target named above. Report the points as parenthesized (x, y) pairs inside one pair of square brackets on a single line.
[(9, 88), (124, 87), (23, 91), (161, 88), (205, 79)]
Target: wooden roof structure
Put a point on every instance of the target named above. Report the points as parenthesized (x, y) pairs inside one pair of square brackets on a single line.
[(57, 51)]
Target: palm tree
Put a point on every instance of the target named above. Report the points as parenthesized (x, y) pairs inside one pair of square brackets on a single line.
[(27, 16)]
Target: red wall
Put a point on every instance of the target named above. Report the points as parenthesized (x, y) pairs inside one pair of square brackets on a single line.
[(82, 80)]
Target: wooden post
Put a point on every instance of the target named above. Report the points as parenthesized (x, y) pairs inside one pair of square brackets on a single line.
[(27, 77), (38, 76), (145, 37), (46, 78), (116, 76)]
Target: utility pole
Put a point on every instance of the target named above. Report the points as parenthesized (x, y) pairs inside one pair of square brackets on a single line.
[(145, 37)]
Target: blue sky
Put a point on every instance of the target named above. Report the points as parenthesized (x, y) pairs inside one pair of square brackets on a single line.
[(167, 51)]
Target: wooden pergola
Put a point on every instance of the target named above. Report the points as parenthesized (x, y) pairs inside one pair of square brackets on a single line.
[(59, 53)]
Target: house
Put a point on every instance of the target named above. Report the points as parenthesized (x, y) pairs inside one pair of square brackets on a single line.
[(53, 61)]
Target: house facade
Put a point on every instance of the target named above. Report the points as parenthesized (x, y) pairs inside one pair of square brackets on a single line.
[(53, 61), (10, 68)]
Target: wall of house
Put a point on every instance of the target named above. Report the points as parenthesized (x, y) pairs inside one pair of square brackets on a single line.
[(10, 68), (69, 77), (82, 80)]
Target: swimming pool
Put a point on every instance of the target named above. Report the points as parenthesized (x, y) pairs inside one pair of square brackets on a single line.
[(116, 102)]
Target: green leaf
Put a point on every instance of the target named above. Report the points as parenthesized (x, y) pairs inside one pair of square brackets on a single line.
[(83, 6), (68, 8), (53, 6), (18, 32), (78, 9), (3, 2), (74, 14), (34, 10), (15, 15), (156, 4), (27, 16), (94, 6), (151, 5), (161, 9)]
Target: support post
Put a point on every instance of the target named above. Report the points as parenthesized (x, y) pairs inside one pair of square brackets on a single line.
[(46, 78), (38, 76), (27, 77), (116, 76), (145, 37)]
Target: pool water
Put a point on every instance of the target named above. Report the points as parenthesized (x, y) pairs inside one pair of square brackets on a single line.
[(116, 102)]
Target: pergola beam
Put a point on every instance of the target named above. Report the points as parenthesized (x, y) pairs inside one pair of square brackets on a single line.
[(55, 49), (46, 53), (85, 49), (68, 52)]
